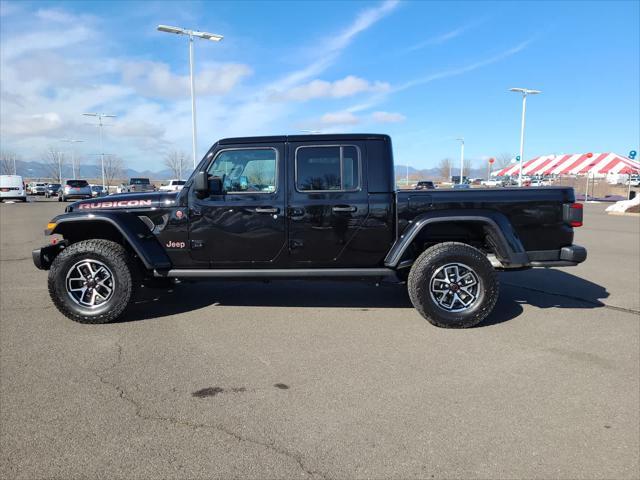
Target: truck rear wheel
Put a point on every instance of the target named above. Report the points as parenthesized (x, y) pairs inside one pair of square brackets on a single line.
[(91, 282), (453, 285)]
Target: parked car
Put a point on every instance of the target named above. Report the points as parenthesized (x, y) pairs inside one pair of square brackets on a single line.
[(36, 188), (12, 188), (492, 183), (173, 186), (52, 190), (308, 206), (74, 189), (461, 186), (98, 191), (122, 188), (425, 185), (140, 185)]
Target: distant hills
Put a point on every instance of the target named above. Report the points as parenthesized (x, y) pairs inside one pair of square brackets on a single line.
[(38, 170), (434, 173)]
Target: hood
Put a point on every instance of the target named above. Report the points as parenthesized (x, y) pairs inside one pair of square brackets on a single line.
[(125, 201)]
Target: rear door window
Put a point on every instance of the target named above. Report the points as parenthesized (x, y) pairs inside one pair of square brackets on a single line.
[(330, 168)]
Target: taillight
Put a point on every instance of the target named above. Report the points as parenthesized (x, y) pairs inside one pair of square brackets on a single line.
[(573, 214)]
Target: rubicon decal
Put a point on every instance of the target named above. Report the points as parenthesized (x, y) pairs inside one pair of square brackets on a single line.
[(119, 204)]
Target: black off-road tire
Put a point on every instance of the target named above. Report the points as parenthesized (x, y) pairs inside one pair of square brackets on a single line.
[(116, 258), (427, 264)]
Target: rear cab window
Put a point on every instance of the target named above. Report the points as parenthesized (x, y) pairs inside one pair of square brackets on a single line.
[(140, 181), (77, 183)]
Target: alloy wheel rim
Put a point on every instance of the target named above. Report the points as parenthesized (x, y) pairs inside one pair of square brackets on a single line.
[(90, 283), (454, 287)]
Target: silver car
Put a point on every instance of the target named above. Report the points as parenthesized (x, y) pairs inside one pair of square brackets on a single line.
[(74, 189)]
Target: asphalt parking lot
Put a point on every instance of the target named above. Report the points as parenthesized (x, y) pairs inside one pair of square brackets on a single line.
[(325, 380)]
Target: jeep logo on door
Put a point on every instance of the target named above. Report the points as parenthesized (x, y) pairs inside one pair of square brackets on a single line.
[(119, 204)]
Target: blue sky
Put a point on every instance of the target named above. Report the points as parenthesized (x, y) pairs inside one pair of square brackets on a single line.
[(423, 72)]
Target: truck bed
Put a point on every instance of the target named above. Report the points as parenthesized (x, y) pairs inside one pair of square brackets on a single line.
[(536, 214)]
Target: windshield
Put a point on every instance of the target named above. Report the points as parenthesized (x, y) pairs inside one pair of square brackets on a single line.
[(77, 183), (54, 185), (139, 181)]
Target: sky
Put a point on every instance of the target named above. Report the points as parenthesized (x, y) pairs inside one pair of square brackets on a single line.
[(423, 72)]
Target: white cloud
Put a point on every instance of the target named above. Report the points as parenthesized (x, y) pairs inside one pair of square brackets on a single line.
[(34, 124), (388, 117), (445, 37), (348, 86), (464, 69), (55, 15), (339, 118), (330, 50), (155, 79)]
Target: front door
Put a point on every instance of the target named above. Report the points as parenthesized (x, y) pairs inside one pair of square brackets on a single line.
[(328, 204), (244, 227)]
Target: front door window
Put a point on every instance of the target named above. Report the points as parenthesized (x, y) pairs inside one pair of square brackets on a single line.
[(246, 170)]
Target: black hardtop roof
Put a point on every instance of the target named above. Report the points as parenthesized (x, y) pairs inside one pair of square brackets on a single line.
[(329, 137)]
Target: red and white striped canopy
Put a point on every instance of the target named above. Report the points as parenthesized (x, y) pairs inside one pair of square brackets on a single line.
[(576, 164)]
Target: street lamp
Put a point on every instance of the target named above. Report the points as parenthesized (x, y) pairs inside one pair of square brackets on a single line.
[(100, 116), (524, 92), (73, 153), (461, 140), (205, 36)]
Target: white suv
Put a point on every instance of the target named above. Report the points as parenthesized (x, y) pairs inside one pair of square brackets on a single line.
[(174, 185), (12, 188)]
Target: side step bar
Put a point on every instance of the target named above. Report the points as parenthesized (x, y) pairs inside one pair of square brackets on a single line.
[(277, 272)]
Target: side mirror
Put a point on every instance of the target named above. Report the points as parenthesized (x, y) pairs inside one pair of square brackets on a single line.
[(201, 184), (215, 186)]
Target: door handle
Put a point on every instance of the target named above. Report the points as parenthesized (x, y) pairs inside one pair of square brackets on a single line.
[(344, 209), (267, 210)]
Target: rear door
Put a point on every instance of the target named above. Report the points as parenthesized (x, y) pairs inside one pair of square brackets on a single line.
[(328, 202), (245, 226)]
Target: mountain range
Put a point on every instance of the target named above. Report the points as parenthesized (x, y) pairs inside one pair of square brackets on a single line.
[(39, 170)]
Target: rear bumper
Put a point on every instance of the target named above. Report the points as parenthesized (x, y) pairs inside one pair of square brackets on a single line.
[(83, 196), (43, 257), (13, 197), (565, 257)]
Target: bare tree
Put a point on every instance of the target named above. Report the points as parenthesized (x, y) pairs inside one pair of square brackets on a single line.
[(8, 163), (503, 160), (176, 162), (113, 169), (53, 162), (445, 168)]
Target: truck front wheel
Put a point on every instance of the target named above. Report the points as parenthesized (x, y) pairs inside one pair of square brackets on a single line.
[(91, 282), (453, 285)]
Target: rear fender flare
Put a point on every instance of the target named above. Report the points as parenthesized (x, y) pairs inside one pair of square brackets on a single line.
[(133, 230), (509, 249)]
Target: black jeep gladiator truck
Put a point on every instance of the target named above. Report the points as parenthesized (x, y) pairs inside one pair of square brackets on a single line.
[(307, 206)]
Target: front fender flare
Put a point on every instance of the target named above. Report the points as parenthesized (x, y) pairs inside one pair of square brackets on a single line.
[(133, 230), (509, 249)]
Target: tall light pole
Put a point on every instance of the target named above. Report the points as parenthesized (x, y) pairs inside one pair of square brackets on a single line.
[(206, 36), (524, 92), (461, 140), (59, 155), (73, 153), (100, 116)]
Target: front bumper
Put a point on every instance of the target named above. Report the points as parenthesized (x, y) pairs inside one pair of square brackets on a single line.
[(565, 257), (43, 257)]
